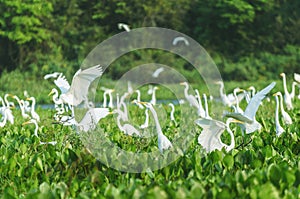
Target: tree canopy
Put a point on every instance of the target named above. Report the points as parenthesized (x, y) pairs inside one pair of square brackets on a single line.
[(43, 36)]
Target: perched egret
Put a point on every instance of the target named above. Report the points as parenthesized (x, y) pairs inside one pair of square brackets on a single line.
[(287, 95), (21, 105), (124, 26), (238, 109), (128, 129), (107, 92), (201, 111), (228, 100), (146, 123), (248, 117), (33, 121), (163, 142), (210, 137), (206, 107), (139, 99), (6, 114), (278, 127), (55, 97), (129, 87), (190, 98), (253, 90), (157, 72), (178, 39), (172, 118), (294, 84), (286, 117), (33, 113), (153, 98)]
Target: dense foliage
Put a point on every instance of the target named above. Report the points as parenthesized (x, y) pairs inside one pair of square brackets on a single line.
[(246, 37), (268, 167)]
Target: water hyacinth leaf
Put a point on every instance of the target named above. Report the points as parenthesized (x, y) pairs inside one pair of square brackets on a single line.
[(228, 161)]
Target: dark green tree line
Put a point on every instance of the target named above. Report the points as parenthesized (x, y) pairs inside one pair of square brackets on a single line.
[(43, 36)]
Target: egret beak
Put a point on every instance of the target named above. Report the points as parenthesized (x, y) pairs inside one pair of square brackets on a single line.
[(28, 122), (276, 94), (28, 98), (51, 92), (181, 83), (237, 121), (143, 103), (281, 74)]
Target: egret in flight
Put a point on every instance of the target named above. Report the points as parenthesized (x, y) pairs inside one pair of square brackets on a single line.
[(210, 137), (78, 91), (179, 39), (157, 72), (124, 26), (248, 117)]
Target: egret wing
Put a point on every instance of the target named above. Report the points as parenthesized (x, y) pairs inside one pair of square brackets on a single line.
[(210, 135), (52, 75), (62, 83), (255, 101), (81, 82)]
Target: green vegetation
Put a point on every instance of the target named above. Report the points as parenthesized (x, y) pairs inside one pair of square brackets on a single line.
[(267, 167)]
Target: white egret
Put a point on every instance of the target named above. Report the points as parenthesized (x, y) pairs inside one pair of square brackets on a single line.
[(33, 113), (286, 117), (55, 97), (33, 121), (294, 84), (178, 39), (163, 142), (190, 98), (129, 87), (128, 129), (172, 118), (201, 111), (157, 72), (247, 96), (287, 95), (153, 98), (8, 103), (146, 123), (228, 100), (278, 127), (253, 90), (150, 89), (248, 116), (91, 118), (21, 105), (210, 136), (111, 103), (206, 107), (6, 114), (238, 109), (138, 98), (79, 87), (124, 26)]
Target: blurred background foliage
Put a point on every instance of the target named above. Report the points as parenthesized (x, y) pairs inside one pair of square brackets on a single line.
[(248, 40)]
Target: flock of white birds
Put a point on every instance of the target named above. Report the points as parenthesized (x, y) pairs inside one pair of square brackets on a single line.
[(67, 96)]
